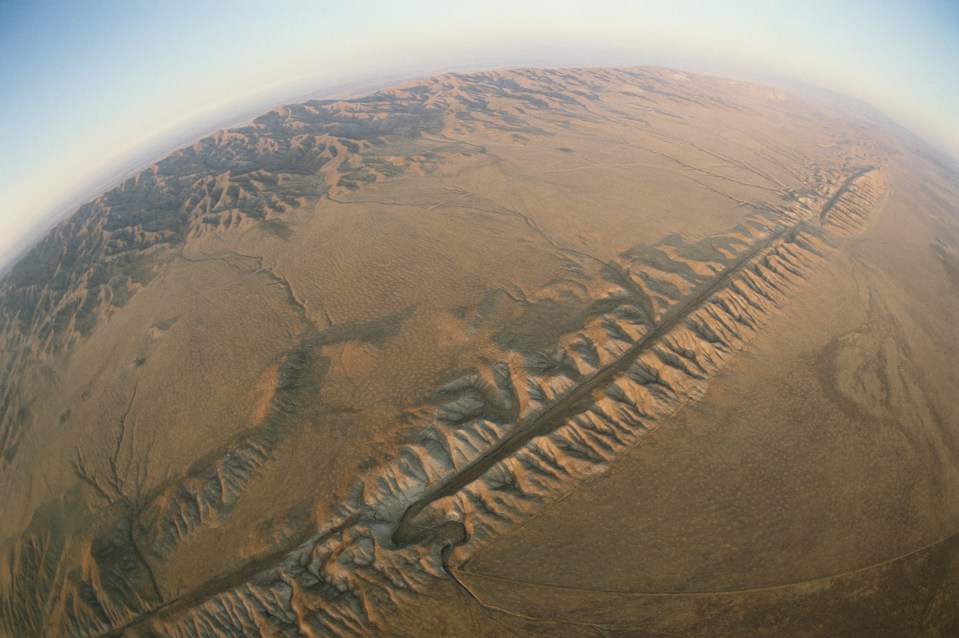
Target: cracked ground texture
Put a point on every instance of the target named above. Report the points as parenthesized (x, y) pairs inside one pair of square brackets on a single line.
[(534, 352)]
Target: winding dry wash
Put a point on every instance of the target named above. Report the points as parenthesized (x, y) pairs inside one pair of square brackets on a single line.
[(533, 352)]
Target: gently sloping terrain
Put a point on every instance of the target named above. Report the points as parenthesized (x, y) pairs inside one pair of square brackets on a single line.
[(385, 339)]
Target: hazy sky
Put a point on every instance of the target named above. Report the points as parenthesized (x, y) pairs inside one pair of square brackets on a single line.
[(86, 84)]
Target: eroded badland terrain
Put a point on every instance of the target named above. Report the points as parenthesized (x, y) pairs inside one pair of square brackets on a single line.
[(541, 352)]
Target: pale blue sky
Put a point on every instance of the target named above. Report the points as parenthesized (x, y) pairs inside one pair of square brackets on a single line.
[(86, 85)]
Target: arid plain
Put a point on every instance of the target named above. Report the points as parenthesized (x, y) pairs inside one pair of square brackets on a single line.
[(535, 352)]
